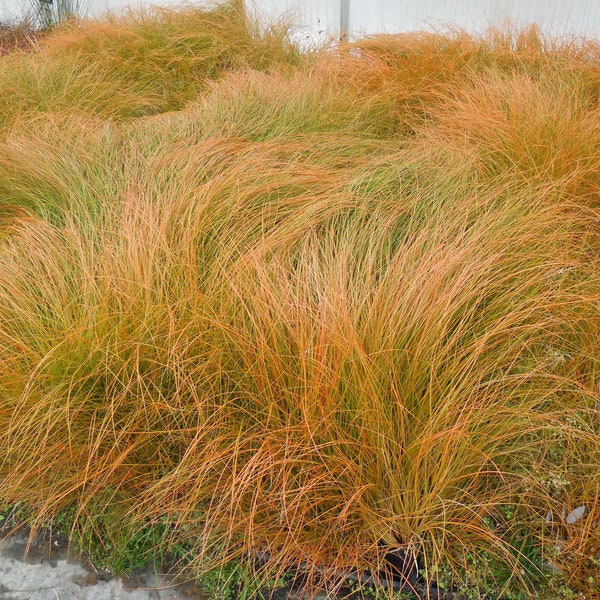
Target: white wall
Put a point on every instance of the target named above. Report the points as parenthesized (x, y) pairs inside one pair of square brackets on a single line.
[(13, 9), (319, 19), (314, 19)]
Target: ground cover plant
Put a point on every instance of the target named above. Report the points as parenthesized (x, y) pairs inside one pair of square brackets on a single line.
[(337, 309)]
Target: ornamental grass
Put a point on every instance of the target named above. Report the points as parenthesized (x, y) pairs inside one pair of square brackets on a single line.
[(286, 310)]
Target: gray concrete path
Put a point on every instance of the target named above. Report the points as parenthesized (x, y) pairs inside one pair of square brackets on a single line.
[(47, 572)]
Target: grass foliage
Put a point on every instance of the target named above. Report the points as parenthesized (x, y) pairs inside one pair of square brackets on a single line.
[(17, 36), (323, 306)]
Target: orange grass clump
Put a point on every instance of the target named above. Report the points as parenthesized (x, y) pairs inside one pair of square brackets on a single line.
[(320, 308), (17, 36)]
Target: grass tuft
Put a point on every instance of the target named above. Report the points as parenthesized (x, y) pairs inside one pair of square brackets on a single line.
[(262, 309)]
